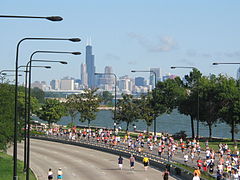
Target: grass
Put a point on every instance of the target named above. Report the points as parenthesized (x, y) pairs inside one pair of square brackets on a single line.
[(213, 144), (6, 168)]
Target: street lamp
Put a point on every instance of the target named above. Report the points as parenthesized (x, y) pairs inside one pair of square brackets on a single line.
[(115, 97), (28, 112), (3, 75), (25, 116), (16, 95), (191, 67), (29, 64), (50, 18), (155, 94), (223, 63)]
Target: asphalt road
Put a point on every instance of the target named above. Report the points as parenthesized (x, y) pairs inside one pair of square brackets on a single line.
[(80, 163)]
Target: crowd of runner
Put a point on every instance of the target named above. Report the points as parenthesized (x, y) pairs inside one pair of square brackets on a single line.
[(223, 164)]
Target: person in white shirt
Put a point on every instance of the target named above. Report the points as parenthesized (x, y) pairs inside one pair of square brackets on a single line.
[(59, 174), (50, 174), (185, 158), (196, 177)]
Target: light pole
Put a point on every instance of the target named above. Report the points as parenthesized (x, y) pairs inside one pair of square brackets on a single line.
[(155, 94), (198, 106), (25, 113), (16, 95), (29, 94), (50, 18), (115, 96)]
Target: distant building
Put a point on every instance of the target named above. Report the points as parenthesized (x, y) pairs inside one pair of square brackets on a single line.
[(84, 76), (152, 76), (109, 78), (67, 84), (169, 76), (41, 85), (90, 67), (55, 84), (238, 73), (125, 84), (139, 81)]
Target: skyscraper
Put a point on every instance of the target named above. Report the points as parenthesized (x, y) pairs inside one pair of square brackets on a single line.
[(90, 66), (139, 81), (84, 77), (152, 78)]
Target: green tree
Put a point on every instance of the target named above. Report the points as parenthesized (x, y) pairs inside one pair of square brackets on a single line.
[(209, 105), (189, 104), (166, 96), (127, 110), (39, 94), (6, 115), (87, 105), (52, 111), (71, 108), (229, 99), (107, 98), (146, 111)]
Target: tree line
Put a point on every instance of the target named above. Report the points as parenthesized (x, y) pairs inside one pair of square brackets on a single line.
[(211, 99)]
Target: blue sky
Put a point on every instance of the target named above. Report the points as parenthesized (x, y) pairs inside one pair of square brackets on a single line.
[(126, 35)]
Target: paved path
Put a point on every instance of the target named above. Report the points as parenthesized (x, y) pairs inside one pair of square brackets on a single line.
[(81, 163)]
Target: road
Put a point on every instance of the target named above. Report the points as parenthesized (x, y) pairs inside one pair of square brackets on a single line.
[(80, 163)]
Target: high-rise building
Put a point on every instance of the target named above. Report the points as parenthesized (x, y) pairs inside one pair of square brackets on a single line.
[(67, 84), (152, 76), (109, 78), (55, 84), (90, 66), (139, 81), (238, 73), (125, 84), (84, 77)]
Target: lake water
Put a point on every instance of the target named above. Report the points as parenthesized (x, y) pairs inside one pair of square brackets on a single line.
[(170, 123)]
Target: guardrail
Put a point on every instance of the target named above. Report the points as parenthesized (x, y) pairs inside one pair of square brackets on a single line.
[(155, 161)]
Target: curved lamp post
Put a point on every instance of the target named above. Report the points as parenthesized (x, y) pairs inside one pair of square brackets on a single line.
[(16, 95), (28, 112), (115, 96), (25, 107), (50, 18), (155, 78), (29, 64), (198, 106), (3, 75)]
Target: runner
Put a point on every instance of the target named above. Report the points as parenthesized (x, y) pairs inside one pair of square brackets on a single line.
[(50, 174), (132, 161), (120, 162), (59, 174), (145, 162), (165, 174), (196, 177)]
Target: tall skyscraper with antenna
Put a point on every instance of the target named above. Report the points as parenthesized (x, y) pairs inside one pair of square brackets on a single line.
[(90, 66)]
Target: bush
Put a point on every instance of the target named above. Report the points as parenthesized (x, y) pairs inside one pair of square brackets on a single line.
[(178, 171), (179, 135)]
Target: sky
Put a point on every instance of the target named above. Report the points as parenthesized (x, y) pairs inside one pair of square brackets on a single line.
[(127, 35)]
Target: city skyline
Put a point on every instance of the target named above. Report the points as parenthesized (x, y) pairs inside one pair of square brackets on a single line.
[(147, 35)]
